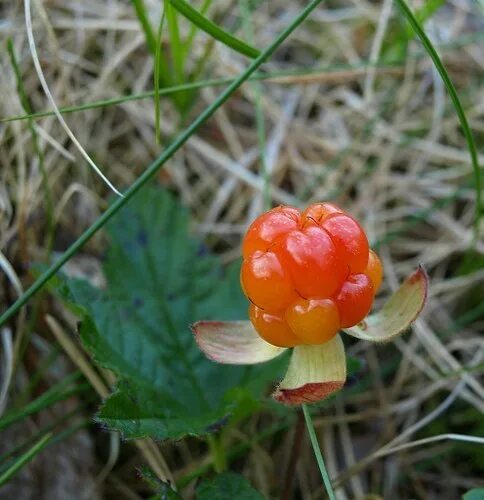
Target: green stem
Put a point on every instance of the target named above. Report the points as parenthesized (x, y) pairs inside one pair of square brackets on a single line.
[(217, 451), (237, 450), (317, 452), (158, 163)]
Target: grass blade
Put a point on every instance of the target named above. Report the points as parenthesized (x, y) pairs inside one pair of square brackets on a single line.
[(158, 163), (412, 20), (156, 78), (175, 41), (213, 29), (25, 458), (177, 53), (193, 31), (150, 38), (140, 10), (62, 390)]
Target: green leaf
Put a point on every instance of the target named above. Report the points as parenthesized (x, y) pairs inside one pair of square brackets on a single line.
[(139, 412), (227, 486), (474, 494), (213, 29), (160, 281)]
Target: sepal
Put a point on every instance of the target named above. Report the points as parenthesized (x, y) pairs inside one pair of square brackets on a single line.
[(233, 342), (401, 310), (315, 372)]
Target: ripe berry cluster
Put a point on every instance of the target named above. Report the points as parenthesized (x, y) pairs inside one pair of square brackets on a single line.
[(307, 275)]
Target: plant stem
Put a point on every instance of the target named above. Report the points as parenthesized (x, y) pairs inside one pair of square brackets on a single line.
[(217, 451), (317, 452), (237, 450), (294, 457)]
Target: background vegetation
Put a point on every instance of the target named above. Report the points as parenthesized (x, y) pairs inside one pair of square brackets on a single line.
[(350, 108)]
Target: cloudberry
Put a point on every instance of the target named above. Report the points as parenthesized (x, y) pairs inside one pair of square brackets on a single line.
[(307, 275)]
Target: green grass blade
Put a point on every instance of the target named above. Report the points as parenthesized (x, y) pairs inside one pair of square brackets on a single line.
[(212, 29), (194, 28), (403, 34), (428, 9), (62, 390), (150, 38), (158, 163), (405, 9), (177, 55), (25, 458), (140, 10), (31, 439), (156, 78), (120, 100)]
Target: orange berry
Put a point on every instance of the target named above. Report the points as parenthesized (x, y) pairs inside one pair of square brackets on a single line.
[(307, 275), (313, 321), (354, 300), (313, 263), (266, 228), (266, 282), (349, 239), (316, 213), (374, 270), (272, 327)]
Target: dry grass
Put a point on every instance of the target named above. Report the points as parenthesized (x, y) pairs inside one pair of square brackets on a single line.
[(383, 142)]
